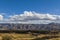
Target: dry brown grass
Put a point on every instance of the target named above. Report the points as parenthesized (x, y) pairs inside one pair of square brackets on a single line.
[(16, 36)]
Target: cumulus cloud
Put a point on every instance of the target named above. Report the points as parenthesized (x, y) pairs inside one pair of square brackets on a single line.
[(29, 15), (1, 17)]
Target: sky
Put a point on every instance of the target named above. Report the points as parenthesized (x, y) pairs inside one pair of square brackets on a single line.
[(16, 7)]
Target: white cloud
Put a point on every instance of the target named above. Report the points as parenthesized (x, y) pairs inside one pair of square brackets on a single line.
[(29, 15), (26, 13), (1, 17)]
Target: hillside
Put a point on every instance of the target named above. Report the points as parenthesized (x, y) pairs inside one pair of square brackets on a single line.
[(34, 27)]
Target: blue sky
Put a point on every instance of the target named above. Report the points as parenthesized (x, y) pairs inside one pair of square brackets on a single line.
[(10, 7)]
